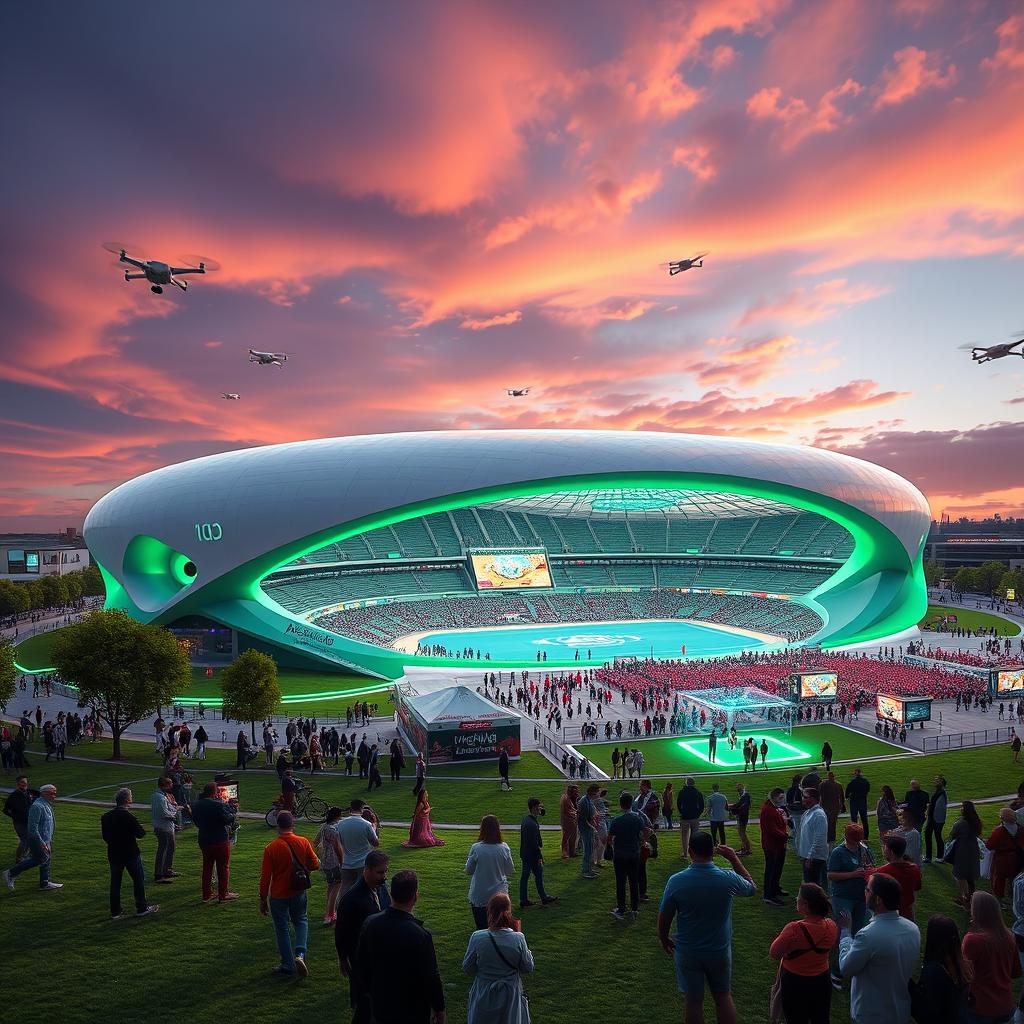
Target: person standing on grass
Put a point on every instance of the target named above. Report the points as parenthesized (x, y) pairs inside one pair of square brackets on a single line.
[(568, 820), (881, 958), (826, 755), (668, 804), (368, 896), (916, 799), (937, 805), (967, 856), (886, 812), (802, 948), (16, 808), (764, 755), (201, 736), (849, 864), (357, 837), (812, 846), (121, 832), (489, 864), (421, 772), (586, 828), (288, 861), (992, 951), (690, 805), (700, 899), (941, 994), (833, 802), (1007, 851), (627, 833), (905, 871), (214, 820), (39, 829), (395, 937), (718, 810), (774, 838), (497, 957), (857, 790), (531, 845), (503, 769), (328, 848), (741, 812), (164, 817)]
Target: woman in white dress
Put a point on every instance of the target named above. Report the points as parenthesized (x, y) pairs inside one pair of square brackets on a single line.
[(497, 958)]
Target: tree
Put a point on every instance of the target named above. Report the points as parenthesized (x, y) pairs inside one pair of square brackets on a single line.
[(987, 576), (92, 581), (249, 688), (13, 599), (933, 572), (122, 668), (965, 580), (8, 673)]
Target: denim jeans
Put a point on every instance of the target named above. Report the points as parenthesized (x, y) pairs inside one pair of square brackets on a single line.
[(587, 844), (283, 911), (37, 858), (138, 877), (535, 868)]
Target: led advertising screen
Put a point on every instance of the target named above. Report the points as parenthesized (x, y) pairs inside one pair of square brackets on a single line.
[(917, 710), (1009, 680), (819, 686), (510, 570), (889, 707)]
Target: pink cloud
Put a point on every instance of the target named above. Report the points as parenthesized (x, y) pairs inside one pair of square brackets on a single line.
[(1009, 55), (913, 71), (799, 121), (807, 305), (696, 159)]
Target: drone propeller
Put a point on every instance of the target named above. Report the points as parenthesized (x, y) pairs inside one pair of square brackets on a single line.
[(118, 247), (971, 348), (193, 260)]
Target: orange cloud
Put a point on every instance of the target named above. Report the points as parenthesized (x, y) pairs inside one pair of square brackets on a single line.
[(804, 306), (913, 72), (499, 320), (797, 119), (1009, 55), (696, 159)]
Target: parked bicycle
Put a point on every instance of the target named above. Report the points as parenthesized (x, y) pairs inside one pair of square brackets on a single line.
[(307, 806)]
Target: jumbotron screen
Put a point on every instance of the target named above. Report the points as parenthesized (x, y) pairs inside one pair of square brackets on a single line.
[(889, 707), (1009, 681), (510, 570), (819, 686)]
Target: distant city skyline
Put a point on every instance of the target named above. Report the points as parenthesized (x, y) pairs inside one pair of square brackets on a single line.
[(431, 204)]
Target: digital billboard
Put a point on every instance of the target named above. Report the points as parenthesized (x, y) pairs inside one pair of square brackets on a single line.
[(1009, 680), (889, 707), (917, 710), (819, 686), (510, 570)]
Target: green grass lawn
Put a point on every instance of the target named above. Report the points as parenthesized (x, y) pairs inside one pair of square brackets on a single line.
[(225, 952), (35, 653), (680, 755), (972, 619)]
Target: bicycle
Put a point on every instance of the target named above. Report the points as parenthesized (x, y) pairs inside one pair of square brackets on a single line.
[(307, 806)]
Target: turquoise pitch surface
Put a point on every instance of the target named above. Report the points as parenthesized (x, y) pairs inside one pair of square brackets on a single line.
[(663, 638)]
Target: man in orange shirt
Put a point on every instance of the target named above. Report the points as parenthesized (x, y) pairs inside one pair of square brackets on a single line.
[(906, 872), (284, 861)]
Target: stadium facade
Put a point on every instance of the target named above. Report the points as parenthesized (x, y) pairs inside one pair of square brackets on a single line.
[(332, 553)]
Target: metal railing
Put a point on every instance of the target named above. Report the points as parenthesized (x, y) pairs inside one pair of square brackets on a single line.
[(962, 740)]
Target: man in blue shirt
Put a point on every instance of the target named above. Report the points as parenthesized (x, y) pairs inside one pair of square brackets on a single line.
[(701, 900)]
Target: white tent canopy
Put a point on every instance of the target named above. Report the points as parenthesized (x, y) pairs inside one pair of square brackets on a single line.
[(446, 708)]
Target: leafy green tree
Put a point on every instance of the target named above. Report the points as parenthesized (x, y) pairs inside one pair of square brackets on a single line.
[(250, 689), (92, 581), (988, 575), (965, 580), (14, 599), (8, 673), (73, 585), (123, 668), (933, 572)]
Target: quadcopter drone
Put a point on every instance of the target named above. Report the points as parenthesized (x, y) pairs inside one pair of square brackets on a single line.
[(980, 354), (159, 274), (268, 358), (678, 266), (517, 392), (231, 396)]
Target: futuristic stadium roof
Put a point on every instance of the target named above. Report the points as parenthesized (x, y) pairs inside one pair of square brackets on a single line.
[(679, 503)]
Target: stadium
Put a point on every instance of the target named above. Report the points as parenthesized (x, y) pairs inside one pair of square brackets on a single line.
[(506, 548)]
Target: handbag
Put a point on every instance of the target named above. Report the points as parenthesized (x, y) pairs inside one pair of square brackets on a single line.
[(950, 852), (776, 1015), (301, 878)]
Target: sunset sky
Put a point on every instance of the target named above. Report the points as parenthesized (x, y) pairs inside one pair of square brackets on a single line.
[(427, 203)]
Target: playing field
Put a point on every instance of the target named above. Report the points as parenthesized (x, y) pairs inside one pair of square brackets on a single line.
[(675, 755), (598, 642), (126, 960), (968, 618)]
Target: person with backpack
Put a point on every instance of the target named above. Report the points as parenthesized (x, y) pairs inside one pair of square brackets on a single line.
[(802, 949), (288, 862)]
